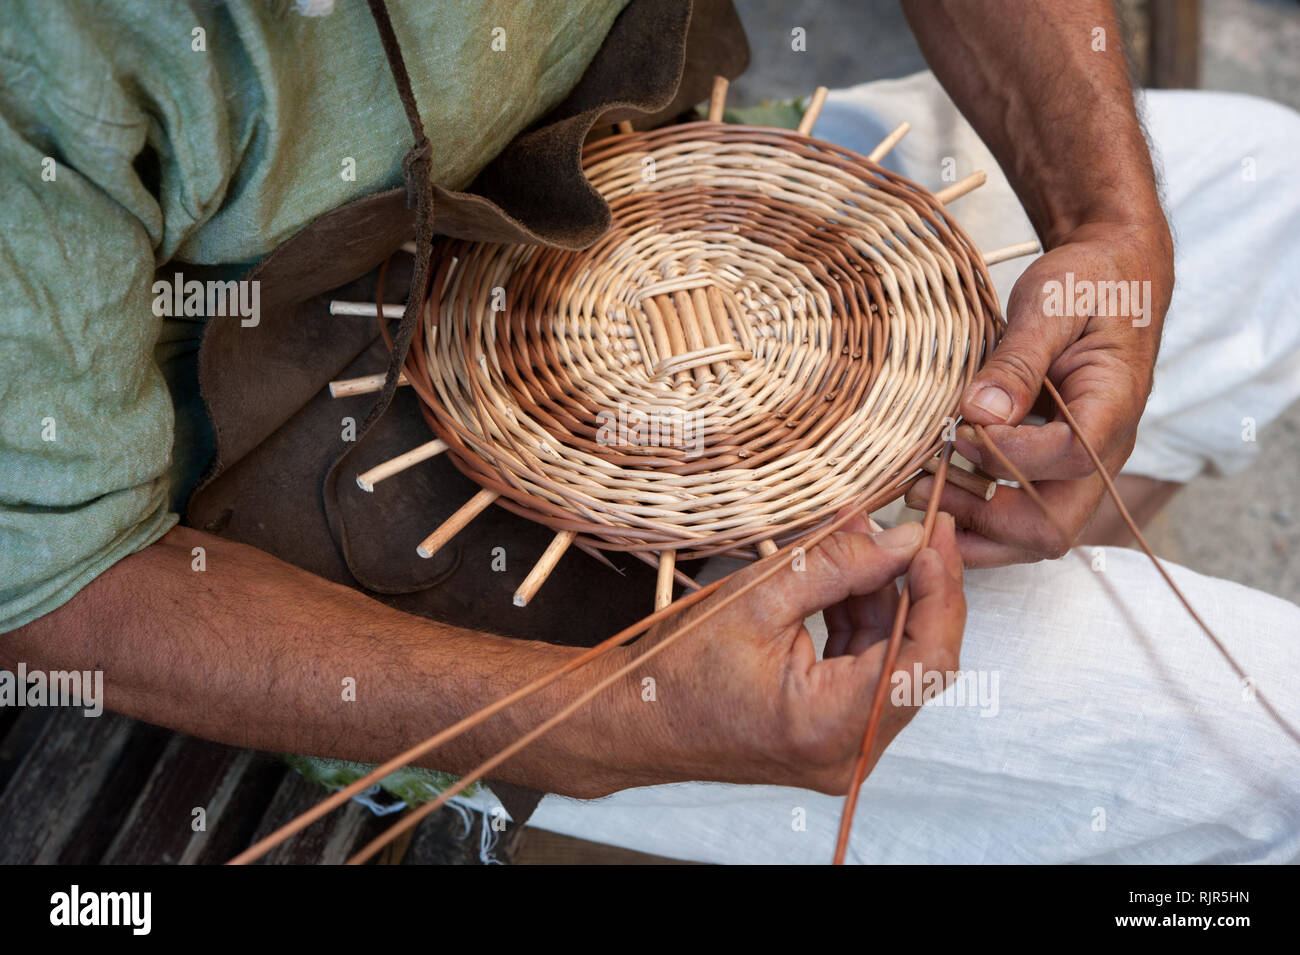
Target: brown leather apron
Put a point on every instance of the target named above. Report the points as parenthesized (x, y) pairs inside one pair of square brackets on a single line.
[(282, 477)]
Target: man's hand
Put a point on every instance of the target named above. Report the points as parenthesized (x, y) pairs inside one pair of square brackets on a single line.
[(1102, 366), (743, 697), (1045, 84)]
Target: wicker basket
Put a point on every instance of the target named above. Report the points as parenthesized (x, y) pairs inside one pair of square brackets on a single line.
[(773, 329)]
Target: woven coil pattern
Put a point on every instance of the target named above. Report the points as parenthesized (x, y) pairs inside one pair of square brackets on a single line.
[(773, 328)]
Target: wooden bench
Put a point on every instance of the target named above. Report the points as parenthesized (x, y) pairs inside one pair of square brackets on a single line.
[(111, 790)]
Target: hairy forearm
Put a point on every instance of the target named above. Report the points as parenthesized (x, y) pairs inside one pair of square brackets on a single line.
[(255, 652), (1057, 114)]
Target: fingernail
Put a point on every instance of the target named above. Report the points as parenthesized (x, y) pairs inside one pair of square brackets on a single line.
[(995, 401), (902, 537), (875, 528)]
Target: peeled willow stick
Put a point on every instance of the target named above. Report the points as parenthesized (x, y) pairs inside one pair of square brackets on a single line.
[(367, 480), (718, 99), (981, 485), (961, 187), (688, 582), (887, 668), (542, 569), (664, 584), (1012, 252), (453, 525), (889, 142), (366, 384), (365, 309), (812, 112)]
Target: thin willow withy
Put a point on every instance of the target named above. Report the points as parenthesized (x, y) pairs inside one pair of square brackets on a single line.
[(887, 668), (1237, 668), (1027, 486), (777, 562), (846, 820)]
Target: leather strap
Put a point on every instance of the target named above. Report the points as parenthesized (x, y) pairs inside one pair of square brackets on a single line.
[(417, 169)]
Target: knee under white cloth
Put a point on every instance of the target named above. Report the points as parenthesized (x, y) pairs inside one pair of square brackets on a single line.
[(1098, 724)]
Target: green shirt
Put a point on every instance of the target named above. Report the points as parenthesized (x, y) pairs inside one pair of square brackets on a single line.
[(144, 132)]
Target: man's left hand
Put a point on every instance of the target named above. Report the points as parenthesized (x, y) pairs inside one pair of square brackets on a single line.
[(1100, 362)]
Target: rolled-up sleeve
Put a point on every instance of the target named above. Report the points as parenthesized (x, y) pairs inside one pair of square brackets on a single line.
[(85, 415)]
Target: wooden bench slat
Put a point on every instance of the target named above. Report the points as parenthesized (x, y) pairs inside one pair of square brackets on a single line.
[(193, 773), (23, 728), (115, 796), (113, 790), (56, 782)]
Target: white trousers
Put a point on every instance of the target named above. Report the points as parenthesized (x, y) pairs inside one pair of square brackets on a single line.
[(1094, 722)]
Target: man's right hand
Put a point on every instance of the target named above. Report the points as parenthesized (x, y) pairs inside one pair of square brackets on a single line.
[(743, 697)]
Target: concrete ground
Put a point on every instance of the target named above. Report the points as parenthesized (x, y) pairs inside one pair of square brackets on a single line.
[(1244, 528)]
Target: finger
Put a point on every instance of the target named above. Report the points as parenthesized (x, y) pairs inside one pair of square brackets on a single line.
[(841, 566), (838, 630), (944, 550), (1013, 519), (856, 624), (860, 523), (1106, 397), (977, 551), (1106, 406), (944, 540), (937, 616), (1004, 390), (1043, 452), (933, 630), (843, 619)]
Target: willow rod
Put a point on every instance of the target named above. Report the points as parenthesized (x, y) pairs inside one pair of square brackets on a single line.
[(1146, 548), (889, 142), (887, 668)]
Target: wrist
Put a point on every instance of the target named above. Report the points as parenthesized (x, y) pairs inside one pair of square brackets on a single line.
[(1139, 225), (632, 742)]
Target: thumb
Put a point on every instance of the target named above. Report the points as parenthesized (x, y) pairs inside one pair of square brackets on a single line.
[(845, 564), (1004, 390)]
